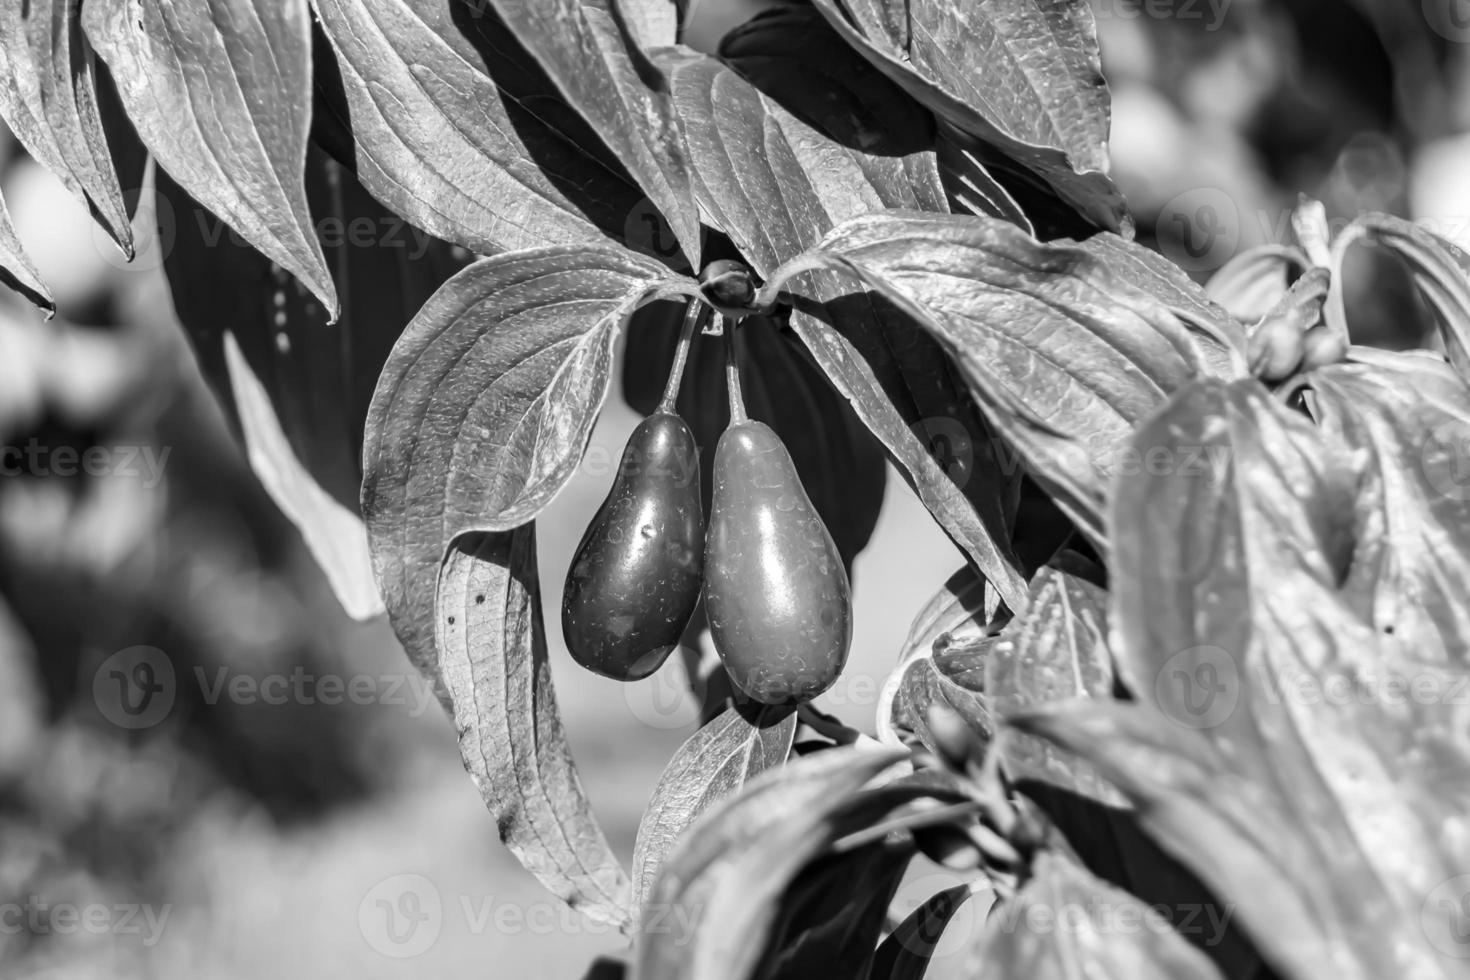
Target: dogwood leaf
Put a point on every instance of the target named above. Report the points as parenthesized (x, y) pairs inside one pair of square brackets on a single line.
[(492, 663), (228, 125), (713, 764), (1064, 357), (460, 130), (620, 94), (1410, 417), (1331, 820), (775, 186), (726, 875), (485, 407), (1025, 78), (48, 98), (16, 269)]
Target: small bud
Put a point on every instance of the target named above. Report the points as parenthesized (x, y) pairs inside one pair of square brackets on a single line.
[(954, 742), (728, 285)]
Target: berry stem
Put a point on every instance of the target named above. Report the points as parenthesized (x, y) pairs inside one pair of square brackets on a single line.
[(732, 373), (693, 313)]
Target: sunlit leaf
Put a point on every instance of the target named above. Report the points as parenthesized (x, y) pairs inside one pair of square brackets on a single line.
[(492, 647), (48, 98), (228, 125), (713, 764), (1025, 78), (485, 407)]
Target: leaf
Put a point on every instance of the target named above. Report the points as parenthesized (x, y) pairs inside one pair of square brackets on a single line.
[(16, 270), (833, 913), (48, 98), (653, 23), (459, 130), (1329, 820), (771, 182), (1064, 357), (1058, 652), (297, 386), (1024, 78), (334, 535), (712, 765), (955, 616), (775, 186), (485, 407), (794, 56), (1064, 923), (1432, 266), (907, 952), (622, 97), (1236, 478), (971, 187), (229, 125), (1222, 338), (492, 645), (1409, 417), (1251, 283), (722, 883)]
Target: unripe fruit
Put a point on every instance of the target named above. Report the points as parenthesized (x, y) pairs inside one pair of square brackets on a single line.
[(635, 579), (777, 596)]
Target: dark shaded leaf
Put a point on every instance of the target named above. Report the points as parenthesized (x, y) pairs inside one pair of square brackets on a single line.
[(1064, 356), (713, 764), (907, 952), (485, 407), (722, 884), (1064, 924), (459, 129), (16, 270), (971, 187), (297, 386), (794, 56), (833, 914), (228, 125), (492, 646), (621, 96), (48, 98), (1024, 78)]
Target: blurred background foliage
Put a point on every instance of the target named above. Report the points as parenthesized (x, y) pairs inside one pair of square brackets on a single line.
[(261, 828)]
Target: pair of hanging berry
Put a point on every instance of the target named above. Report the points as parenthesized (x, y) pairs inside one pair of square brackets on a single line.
[(775, 590)]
